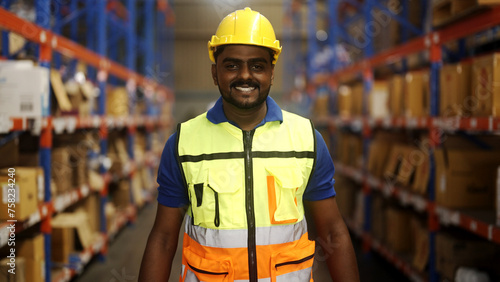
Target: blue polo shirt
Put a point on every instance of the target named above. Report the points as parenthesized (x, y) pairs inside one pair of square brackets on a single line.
[(171, 190)]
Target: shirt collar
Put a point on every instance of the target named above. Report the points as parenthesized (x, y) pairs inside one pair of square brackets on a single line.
[(216, 114)]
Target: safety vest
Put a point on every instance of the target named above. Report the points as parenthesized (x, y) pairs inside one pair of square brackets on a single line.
[(246, 218)]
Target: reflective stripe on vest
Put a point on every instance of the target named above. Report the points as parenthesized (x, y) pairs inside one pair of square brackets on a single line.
[(246, 217)]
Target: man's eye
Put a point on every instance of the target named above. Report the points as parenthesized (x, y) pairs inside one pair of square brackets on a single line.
[(231, 66), (257, 67)]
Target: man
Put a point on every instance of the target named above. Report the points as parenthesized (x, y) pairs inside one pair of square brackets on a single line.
[(244, 169)]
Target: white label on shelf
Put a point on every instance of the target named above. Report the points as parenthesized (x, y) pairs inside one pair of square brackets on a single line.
[(58, 124), (442, 183), (5, 124), (71, 124), (40, 183), (473, 123), (473, 225)]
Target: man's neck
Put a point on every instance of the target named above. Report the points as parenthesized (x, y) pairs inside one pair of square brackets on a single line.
[(246, 119)]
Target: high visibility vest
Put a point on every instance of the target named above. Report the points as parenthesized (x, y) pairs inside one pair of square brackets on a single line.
[(246, 218)]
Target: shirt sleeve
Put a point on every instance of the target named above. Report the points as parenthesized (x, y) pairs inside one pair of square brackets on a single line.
[(321, 182), (171, 190)]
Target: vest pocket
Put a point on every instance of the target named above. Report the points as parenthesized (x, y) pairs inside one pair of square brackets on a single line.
[(294, 259), (215, 201), (282, 186), (220, 270)]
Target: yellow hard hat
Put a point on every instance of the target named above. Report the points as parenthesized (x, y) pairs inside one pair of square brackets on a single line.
[(245, 27)]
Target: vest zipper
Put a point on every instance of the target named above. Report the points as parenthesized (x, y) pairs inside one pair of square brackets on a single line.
[(249, 205)]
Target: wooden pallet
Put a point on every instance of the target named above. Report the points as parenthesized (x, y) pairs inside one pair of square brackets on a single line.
[(447, 11)]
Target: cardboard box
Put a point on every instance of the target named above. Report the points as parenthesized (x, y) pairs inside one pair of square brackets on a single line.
[(455, 89), (422, 164), (33, 252), (400, 169), (398, 232), (20, 270), (379, 100), (117, 102), (62, 172), (60, 92), (63, 244), (32, 248), (345, 101), (35, 270), (21, 99), (417, 94), (9, 153), (91, 206), (466, 178), (321, 106), (78, 221), (16, 42), (421, 245), (486, 86), (121, 195), (396, 92), (28, 181), (137, 190), (453, 251), (357, 99)]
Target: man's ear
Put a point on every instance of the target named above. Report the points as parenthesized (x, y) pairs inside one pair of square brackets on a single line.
[(214, 73)]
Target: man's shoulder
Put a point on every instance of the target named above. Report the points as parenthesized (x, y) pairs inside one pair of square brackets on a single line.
[(294, 118)]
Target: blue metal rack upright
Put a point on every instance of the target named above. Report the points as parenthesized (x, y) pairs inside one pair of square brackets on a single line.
[(58, 21), (43, 16)]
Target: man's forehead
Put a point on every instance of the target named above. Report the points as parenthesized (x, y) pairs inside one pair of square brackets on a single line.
[(245, 51)]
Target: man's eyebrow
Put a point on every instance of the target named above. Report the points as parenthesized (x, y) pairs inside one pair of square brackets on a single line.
[(252, 60)]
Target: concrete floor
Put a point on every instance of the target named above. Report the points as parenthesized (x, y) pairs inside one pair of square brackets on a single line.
[(125, 253)]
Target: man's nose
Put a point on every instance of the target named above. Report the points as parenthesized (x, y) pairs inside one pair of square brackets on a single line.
[(245, 73)]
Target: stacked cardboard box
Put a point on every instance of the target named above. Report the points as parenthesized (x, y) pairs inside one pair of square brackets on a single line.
[(350, 150), (453, 251), (398, 235), (32, 250), (28, 182), (378, 104), (485, 86), (21, 99), (465, 177), (417, 94), (396, 95), (455, 89), (346, 195)]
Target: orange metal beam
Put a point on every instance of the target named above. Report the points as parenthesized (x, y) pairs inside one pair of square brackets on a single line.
[(33, 32), (480, 22)]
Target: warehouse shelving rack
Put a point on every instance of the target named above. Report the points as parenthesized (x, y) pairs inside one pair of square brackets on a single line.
[(431, 41), (103, 68)]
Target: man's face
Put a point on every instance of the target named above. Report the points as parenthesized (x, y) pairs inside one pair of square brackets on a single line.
[(244, 75)]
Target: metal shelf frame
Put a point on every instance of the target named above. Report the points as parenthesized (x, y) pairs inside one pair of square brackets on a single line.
[(424, 40), (57, 32)]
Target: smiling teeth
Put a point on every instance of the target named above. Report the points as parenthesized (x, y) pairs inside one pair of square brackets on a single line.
[(245, 89)]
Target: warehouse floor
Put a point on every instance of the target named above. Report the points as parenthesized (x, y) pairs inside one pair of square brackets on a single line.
[(125, 254)]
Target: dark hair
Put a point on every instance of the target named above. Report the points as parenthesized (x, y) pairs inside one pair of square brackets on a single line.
[(220, 48)]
